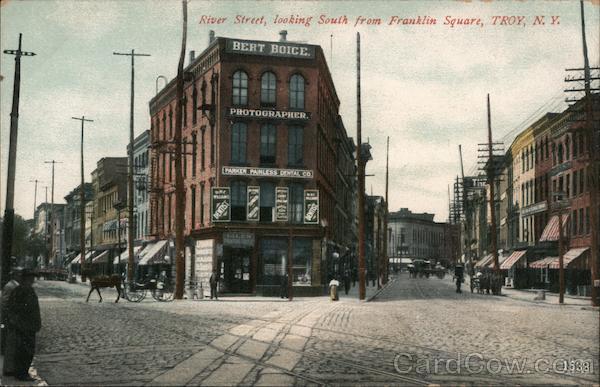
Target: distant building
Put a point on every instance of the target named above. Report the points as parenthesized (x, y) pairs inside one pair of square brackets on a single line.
[(142, 184), (73, 217)]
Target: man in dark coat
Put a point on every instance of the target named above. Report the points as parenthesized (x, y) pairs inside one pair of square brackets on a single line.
[(23, 322), (283, 286), (6, 292), (214, 281)]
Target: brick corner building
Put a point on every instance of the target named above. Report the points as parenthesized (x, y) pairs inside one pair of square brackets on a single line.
[(261, 134)]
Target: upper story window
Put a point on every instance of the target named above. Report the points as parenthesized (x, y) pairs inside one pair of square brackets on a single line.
[(268, 89), (238, 143), (297, 92), (171, 126), (296, 202), (194, 105), (238, 200), (267, 201), (567, 149), (267, 144), (295, 145), (240, 88), (560, 153)]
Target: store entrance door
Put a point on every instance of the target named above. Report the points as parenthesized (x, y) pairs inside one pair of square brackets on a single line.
[(237, 267)]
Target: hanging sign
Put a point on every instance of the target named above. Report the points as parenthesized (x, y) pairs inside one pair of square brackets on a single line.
[(221, 204), (311, 206), (281, 204), (253, 208)]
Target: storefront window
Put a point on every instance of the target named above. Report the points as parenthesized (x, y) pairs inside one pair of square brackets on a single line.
[(273, 253), (302, 263), (267, 201)]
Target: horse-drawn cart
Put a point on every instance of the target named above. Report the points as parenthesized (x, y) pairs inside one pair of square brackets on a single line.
[(161, 288)]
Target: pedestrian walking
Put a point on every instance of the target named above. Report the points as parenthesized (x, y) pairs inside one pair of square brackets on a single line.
[(6, 292), (23, 322), (346, 282), (459, 277), (283, 286), (214, 282)]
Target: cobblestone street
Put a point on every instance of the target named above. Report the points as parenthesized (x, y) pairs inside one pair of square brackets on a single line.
[(416, 331)]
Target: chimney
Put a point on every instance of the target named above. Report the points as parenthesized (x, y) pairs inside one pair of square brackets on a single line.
[(192, 56), (282, 35), (211, 36)]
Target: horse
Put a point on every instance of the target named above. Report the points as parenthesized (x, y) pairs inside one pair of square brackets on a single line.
[(105, 281)]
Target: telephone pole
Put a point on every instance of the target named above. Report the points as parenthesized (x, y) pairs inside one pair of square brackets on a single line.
[(53, 162), (130, 221), (36, 181), (464, 208), (9, 211), (362, 291), (492, 182), (594, 175), (179, 187), (386, 262), (82, 200)]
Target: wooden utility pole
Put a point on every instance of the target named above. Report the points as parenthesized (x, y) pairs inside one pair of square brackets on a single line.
[(52, 220), (593, 136), (9, 211), (179, 188), (82, 201), (492, 181), (130, 194), (386, 259), (36, 181), (464, 208), (362, 291)]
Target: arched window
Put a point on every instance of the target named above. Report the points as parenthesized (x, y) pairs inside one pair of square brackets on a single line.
[(240, 88), (194, 105), (567, 148), (268, 89), (560, 153), (296, 92)]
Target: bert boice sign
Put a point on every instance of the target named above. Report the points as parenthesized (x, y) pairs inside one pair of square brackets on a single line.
[(283, 49)]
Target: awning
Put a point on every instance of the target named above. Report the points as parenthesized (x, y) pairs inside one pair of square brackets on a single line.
[(77, 259), (512, 259), (101, 258), (569, 257), (124, 256), (154, 253), (551, 231), (543, 263), (484, 261)]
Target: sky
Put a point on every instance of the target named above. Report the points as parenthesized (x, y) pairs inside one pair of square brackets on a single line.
[(424, 86)]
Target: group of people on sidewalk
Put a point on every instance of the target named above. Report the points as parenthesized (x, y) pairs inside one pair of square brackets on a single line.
[(21, 320)]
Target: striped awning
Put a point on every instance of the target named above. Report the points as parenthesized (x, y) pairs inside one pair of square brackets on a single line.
[(77, 259), (512, 259), (101, 258), (543, 263), (124, 256), (569, 257), (551, 231), (485, 261), (154, 253)]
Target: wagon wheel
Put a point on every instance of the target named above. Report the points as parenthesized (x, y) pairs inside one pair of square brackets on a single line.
[(163, 293), (133, 293)]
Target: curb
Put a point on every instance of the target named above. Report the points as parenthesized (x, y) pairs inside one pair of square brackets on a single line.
[(380, 290)]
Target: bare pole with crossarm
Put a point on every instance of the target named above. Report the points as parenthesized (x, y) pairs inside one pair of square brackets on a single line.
[(130, 222), (9, 211)]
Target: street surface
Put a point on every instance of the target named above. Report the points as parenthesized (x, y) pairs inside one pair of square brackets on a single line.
[(416, 332)]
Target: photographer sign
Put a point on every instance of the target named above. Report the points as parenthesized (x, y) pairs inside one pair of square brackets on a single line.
[(221, 204), (311, 206)]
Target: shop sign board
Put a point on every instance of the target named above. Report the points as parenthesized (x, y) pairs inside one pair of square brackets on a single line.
[(272, 114), (203, 266), (253, 207), (281, 204), (221, 204), (311, 206), (267, 172), (277, 49)]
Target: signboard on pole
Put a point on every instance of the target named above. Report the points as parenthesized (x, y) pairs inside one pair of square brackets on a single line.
[(281, 204), (253, 207), (311, 206), (220, 204)]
